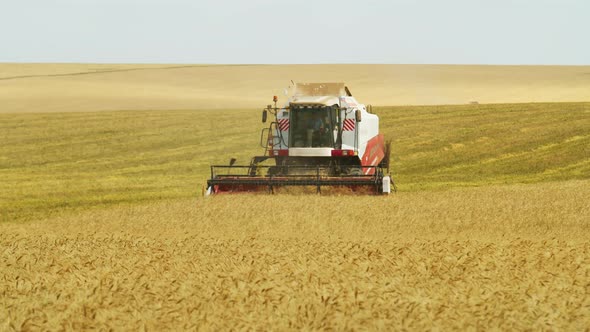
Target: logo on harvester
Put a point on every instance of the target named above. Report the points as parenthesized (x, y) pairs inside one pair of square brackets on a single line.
[(348, 102), (348, 125), (283, 124)]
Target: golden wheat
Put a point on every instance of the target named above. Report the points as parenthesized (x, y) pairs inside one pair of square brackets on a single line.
[(508, 257)]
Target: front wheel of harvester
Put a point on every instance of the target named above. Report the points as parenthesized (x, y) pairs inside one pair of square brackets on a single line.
[(253, 170), (273, 170), (355, 171), (277, 170)]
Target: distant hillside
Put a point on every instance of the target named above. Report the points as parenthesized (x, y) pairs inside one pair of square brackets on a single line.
[(97, 87)]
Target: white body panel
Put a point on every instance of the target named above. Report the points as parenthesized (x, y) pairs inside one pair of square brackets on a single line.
[(310, 152)]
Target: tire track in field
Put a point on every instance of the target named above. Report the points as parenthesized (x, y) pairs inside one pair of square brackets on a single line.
[(119, 70)]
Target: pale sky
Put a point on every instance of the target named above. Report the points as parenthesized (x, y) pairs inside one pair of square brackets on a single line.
[(321, 31)]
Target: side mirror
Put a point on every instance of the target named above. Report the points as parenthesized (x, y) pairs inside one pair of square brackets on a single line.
[(358, 116), (264, 115)]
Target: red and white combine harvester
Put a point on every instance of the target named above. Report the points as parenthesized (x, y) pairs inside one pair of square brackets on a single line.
[(322, 138)]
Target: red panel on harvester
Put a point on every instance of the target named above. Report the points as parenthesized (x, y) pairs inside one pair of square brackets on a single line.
[(374, 153)]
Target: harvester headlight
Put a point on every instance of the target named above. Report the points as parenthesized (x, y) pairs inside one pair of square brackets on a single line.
[(342, 153), (280, 153)]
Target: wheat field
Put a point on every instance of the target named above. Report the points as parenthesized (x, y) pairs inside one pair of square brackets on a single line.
[(52, 163), (103, 226), (498, 257)]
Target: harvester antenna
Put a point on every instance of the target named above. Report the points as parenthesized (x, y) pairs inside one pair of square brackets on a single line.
[(347, 91)]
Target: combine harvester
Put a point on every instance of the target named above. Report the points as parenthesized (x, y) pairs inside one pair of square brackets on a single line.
[(322, 138)]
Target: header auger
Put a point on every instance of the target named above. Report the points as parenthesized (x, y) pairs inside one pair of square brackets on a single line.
[(321, 139)]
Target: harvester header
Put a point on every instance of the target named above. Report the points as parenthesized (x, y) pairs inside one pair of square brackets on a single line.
[(321, 138)]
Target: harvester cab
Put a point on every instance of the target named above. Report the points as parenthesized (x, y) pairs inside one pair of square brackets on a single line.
[(321, 138)]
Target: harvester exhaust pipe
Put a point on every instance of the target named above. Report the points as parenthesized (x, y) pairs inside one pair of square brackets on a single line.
[(347, 91)]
